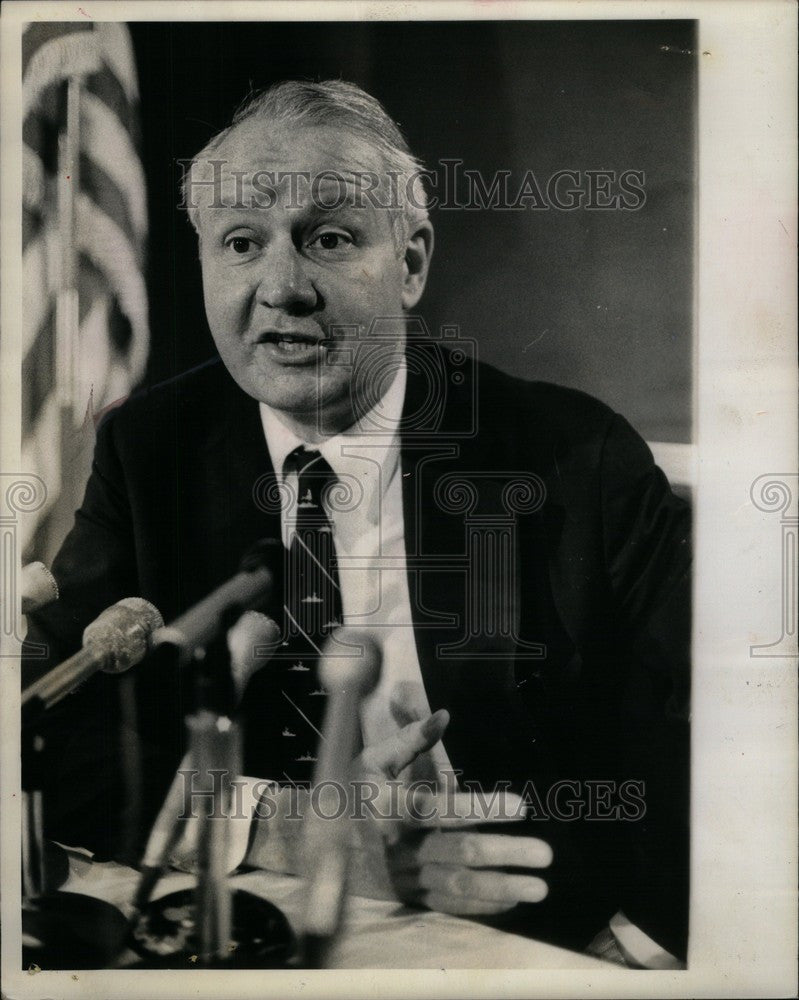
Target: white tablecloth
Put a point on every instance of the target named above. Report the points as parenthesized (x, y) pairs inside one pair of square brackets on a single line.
[(375, 934)]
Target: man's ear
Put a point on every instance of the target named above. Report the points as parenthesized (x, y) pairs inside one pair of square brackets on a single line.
[(416, 262)]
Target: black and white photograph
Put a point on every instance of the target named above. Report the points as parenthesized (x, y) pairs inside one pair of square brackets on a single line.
[(399, 499)]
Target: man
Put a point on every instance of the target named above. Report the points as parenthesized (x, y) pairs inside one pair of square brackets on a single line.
[(521, 560)]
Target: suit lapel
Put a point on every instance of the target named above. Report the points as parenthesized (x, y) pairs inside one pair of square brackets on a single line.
[(478, 575), (445, 483), (236, 502)]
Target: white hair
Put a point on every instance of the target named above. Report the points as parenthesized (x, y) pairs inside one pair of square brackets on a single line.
[(347, 106)]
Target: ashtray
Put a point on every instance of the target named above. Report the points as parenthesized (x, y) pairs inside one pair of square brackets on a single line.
[(165, 934)]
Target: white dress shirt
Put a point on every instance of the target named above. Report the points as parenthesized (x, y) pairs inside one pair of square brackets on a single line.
[(366, 516)]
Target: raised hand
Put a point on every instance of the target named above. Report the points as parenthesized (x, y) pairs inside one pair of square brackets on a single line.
[(423, 842)]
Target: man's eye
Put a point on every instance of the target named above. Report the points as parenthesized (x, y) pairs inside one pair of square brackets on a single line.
[(240, 244), (332, 241)]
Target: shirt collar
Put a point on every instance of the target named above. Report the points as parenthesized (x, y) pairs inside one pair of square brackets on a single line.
[(375, 436)]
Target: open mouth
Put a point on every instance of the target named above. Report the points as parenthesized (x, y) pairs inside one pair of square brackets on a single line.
[(273, 337), (293, 346)]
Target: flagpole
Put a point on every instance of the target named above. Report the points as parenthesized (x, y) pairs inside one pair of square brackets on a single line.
[(66, 312), (67, 315), (34, 871)]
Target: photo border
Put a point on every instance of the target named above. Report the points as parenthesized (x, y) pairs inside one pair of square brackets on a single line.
[(744, 753)]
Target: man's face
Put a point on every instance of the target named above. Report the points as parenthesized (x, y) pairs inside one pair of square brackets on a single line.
[(280, 280)]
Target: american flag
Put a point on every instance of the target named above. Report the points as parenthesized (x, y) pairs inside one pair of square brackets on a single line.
[(85, 320)]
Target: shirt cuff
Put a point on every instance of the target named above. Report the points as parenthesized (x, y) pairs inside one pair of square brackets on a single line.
[(638, 948), (246, 797)]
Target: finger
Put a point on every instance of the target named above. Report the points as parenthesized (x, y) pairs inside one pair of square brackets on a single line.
[(403, 696), (490, 886), (484, 850), (394, 754), (406, 885), (460, 906), (424, 808)]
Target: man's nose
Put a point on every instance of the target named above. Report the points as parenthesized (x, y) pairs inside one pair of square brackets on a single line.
[(285, 283)]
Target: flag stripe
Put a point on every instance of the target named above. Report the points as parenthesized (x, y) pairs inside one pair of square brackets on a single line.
[(108, 198), (115, 162), (40, 33), (40, 135), (112, 148), (34, 183), (49, 113), (101, 239), (38, 370), (37, 286), (41, 454), (31, 226), (117, 53), (94, 63), (106, 88), (93, 285), (94, 358), (70, 55)]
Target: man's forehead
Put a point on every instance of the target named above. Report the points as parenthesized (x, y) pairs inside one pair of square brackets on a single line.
[(262, 144), (299, 165)]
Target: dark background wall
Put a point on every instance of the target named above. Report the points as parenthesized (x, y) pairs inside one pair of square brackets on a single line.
[(600, 300)]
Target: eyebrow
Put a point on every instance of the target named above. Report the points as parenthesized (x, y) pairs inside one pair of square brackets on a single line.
[(230, 217)]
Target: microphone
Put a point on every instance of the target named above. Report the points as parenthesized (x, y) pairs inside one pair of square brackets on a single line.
[(327, 840), (251, 642), (252, 585), (38, 587), (114, 642), (220, 928)]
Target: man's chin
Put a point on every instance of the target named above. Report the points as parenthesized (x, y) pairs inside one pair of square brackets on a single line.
[(303, 401)]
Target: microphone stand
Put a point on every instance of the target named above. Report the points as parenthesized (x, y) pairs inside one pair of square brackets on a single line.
[(215, 752), (327, 840), (230, 929), (34, 866), (61, 930)]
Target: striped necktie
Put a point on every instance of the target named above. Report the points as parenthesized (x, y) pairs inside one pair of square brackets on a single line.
[(313, 610)]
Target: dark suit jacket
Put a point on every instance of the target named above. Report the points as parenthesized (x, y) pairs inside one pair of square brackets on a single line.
[(575, 669)]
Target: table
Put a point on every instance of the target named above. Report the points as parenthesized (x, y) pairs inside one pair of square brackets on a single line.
[(403, 938)]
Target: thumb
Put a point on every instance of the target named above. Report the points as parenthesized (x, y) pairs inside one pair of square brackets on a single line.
[(394, 754)]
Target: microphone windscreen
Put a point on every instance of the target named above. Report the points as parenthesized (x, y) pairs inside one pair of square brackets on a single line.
[(123, 630), (38, 587), (356, 672), (147, 614), (251, 642)]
